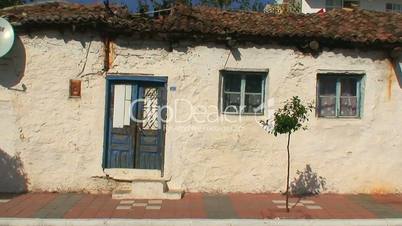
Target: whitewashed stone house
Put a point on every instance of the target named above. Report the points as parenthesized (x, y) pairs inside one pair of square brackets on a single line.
[(67, 87), (313, 6)]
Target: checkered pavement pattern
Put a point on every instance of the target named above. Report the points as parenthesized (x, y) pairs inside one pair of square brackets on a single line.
[(147, 204), (309, 204)]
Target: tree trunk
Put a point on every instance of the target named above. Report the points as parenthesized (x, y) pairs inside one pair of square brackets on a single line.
[(287, 178)]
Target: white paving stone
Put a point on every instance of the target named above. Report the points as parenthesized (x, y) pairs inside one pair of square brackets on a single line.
[(139, 204), (284, 202), (313, 207), (153, 207), (281, 206), (127, 202), (307, 201), (4, 200), (279, 201), (155, 201), (123, 207)]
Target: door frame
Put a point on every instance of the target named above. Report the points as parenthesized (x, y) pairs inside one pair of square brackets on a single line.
[(115, 78)]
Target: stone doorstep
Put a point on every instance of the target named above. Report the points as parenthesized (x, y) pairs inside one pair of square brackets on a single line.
[(120, 194), (141, 184), (170, 195), (135, 175), (147, 190)]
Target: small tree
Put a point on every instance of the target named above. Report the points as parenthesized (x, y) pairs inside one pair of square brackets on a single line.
[(287, 120)]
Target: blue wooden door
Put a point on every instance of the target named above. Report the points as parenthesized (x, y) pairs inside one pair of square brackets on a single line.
[(121, 148), (150, 130), (122, 131), (136, 125)]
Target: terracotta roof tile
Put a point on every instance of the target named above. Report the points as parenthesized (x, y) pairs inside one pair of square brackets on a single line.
[(358, 26)]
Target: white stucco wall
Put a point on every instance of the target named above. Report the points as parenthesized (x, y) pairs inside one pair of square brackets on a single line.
[(60, 140), (313, 6)]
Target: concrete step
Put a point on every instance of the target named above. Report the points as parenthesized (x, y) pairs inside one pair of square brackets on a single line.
[(134, 174), (147, 189), (170, 195), (121, 194)]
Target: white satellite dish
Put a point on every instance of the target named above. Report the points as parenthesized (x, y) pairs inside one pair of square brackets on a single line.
[(6, 36)]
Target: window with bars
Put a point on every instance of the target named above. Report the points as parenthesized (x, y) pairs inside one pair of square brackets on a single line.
[(243, 92), (339, 96)]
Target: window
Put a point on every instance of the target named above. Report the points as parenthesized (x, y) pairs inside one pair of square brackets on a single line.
[(243, 92), (393, 7), (339, 95), (121, 105), (334, 4)]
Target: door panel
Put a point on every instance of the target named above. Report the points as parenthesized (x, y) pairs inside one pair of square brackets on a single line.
[(121, 131), (121, 146), (149, 145)]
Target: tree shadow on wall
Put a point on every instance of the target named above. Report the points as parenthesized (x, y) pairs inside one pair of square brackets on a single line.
[(307, 183), (12, 176)]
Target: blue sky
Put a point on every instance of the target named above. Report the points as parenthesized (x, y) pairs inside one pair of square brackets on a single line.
[(133, 4)]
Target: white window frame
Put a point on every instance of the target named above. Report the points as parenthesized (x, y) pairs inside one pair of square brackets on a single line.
[(339, 74), (244, 73)]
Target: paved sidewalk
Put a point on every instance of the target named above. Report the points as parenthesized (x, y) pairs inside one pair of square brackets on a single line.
[(201, 206)]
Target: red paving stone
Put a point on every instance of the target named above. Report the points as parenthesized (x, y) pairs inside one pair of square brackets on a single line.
[(251, 206), (36, 203), (172, 209), (394, 201), (16, 205), (80, 207), (121, 214), (109, 206), (339, 207), (91, 210), (136, 213)]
